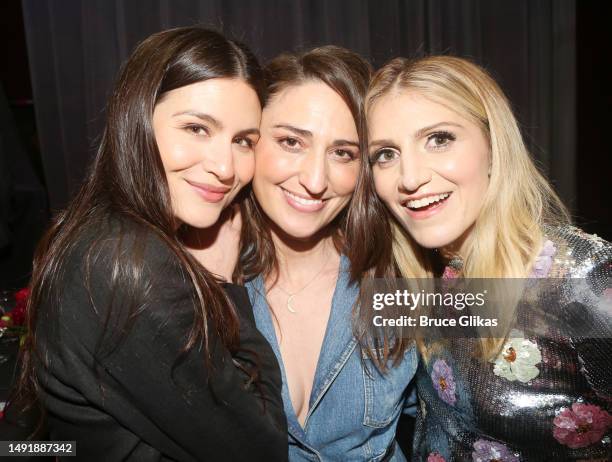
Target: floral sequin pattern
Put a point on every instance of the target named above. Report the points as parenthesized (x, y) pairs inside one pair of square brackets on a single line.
[(435, 457), (581, 426), (544, 261), (453, 269), (518, 359), (489, 451), (444, 381)]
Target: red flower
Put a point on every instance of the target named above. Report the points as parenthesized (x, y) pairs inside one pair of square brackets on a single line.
[(22, 295), (21, 302), (581, 426)]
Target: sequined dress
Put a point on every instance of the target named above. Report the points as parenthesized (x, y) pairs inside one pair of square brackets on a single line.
[(541, 399)]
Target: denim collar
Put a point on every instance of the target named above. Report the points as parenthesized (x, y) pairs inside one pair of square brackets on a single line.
[(338, 342)]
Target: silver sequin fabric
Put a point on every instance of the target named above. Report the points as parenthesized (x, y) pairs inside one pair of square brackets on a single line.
[(543, 398)]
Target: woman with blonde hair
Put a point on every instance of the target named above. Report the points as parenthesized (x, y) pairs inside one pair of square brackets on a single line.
[(466, 201)]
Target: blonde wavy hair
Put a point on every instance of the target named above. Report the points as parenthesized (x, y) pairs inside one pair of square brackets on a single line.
[(519, 202)]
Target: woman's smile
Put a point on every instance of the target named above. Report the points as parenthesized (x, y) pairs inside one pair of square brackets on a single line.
[(302, 203)]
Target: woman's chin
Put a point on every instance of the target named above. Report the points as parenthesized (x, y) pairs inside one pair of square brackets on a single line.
[(207, 221), (430, 240), (301, 233)]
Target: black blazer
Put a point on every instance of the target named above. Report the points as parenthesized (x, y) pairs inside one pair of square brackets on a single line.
[(136, 402)]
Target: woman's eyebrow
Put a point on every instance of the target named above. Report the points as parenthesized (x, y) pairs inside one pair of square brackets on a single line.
[(248, 131), (345, 143), (202, 116), (296, 130), (421, 131), (380, 143), (308, 134)]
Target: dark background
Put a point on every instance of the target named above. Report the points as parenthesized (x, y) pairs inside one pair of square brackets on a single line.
[(60, 58)]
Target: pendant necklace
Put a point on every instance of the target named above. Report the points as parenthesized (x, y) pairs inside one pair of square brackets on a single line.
[(291, 295)]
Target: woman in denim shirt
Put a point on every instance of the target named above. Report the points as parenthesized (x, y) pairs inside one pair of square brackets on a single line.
[(295, 261)]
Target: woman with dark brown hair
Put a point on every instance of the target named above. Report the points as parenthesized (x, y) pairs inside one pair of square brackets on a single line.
[(339, 405), (135, 350)]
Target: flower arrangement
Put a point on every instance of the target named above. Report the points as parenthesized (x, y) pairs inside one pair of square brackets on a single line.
[(12, 327), (12, 323)]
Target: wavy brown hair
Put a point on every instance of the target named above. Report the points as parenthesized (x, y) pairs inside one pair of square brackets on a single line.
[(346, 73), (127, 181)]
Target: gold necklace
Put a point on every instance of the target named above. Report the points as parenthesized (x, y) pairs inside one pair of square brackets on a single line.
[(291, 295)]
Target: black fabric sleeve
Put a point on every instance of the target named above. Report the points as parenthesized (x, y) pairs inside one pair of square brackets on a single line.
[(137, 395)]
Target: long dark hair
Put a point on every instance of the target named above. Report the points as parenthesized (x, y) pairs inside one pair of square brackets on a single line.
[(346, 73), (371, 239), (127, 181)]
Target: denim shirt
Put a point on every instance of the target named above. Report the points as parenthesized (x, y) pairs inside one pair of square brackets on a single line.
[(353, 410)]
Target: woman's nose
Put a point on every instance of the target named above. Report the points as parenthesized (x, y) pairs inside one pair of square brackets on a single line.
[(313, 173), (414, 171)]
